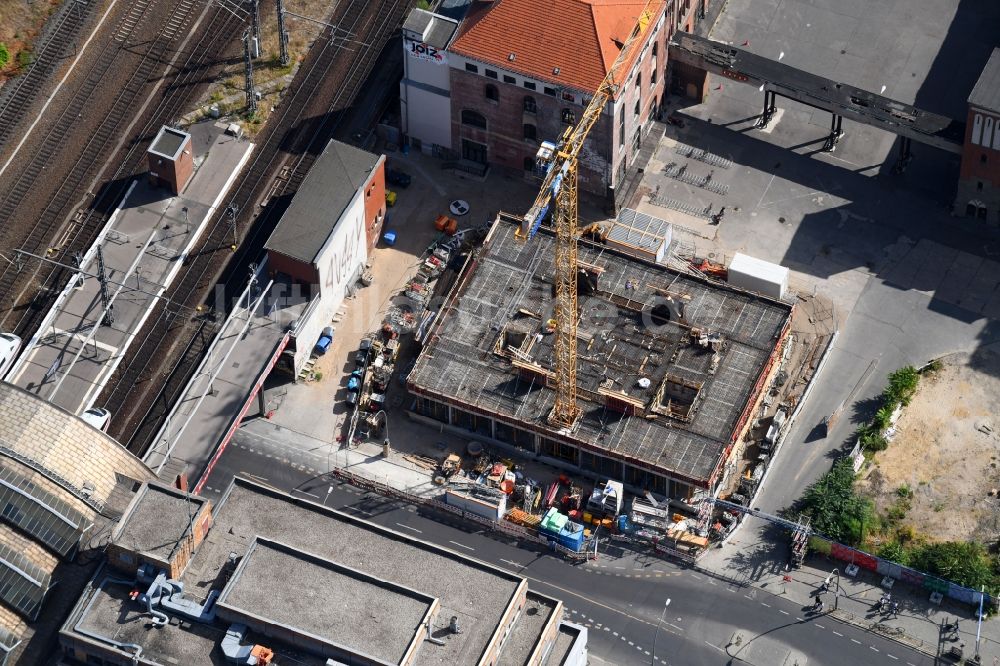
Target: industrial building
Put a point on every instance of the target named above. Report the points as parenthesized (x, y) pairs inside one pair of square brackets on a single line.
[(979, 180), (323, 240), (61, 483), (171, 159), (671, 367), (489, 84), (284, 579)]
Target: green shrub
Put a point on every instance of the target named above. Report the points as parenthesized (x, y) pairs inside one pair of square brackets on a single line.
[(25, 58), (834, 507), (894, 552), (967, 564), (902, 386), (423, 4), (4, 55)]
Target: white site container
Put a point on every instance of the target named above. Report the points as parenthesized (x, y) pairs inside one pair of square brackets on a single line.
[(759, 276)]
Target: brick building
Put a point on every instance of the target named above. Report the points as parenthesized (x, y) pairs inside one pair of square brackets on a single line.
[(515, 78), (979, 179)]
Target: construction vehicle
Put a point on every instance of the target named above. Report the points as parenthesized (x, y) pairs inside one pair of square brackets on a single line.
[(560, 162), (451, 465)]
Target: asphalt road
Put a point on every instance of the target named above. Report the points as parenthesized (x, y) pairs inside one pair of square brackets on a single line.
[(621, 599)]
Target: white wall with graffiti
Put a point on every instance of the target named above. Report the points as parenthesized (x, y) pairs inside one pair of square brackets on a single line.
[(339, 263), (425, 95)]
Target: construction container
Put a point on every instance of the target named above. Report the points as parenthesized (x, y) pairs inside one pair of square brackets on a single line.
[(757, 275)]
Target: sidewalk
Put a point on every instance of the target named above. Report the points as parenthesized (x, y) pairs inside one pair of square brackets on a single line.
[(751, 558)]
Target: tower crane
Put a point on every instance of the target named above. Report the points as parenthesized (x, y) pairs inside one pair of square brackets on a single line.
[(560, 184)]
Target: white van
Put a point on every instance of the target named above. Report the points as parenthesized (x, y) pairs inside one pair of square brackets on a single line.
[(97, 417), (10, 345)]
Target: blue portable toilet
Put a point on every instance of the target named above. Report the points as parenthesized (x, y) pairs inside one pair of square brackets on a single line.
[(389, 238)]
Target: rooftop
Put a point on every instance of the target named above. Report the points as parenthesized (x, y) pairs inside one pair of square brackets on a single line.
[(433, 29), (521, 643), (338, 605), (986, 93), (339, 172), (158, 519), (666, 362), (169, 142), (371, 566), (582, 44)]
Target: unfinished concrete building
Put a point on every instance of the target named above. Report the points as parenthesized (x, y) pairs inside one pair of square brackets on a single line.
[(278, 578), (671, 368)]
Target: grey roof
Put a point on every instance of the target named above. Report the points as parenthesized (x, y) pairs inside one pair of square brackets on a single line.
[(986, 93), (454, 9), (338, 605), (433, 29), (618, 344), (169, 142), (524, 637), (418, 20), (325, 193), (157, 520)]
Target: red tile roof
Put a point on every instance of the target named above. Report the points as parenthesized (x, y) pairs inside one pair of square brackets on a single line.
[(580, 37)]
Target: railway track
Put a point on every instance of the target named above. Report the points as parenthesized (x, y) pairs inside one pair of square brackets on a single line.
[(18, 95), (324, 87), (58, 205)]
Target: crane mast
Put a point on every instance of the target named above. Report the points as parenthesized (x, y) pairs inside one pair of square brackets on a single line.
[(560, 184)]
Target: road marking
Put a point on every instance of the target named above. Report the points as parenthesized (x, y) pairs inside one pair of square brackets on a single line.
[(461, 545), (892, 656), (696, 576), (765, 605), (747, 596), (411, 528), (361, 511), (729, 589), (837, 633), (714, 646), (821, 626), (631, 643), (712, 582), (619, 568), (675, 626), (513, 564), (615, 633), (783, 612), (305, 492), (799, 618), (854, 640), (872, 647)]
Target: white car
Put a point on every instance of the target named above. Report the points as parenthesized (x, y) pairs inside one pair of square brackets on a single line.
[(10, 345), (97, 417)]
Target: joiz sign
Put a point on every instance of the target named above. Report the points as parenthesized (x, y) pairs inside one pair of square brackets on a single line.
[(425, 51)]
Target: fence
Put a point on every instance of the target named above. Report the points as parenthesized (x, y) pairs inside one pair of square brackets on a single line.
[(883, 567), (502, 526)]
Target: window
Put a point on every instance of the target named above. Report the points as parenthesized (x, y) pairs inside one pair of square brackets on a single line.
[(530, 85), (530, 132), (983, 159), (491, 74), (637, 139), (638, 82), (492, 93), (568, 97), (529, 165), (979, 186), (621, 131), (529, 104), (568, 116), (652, 76), (509, 79), (469, 67), (473, 119), (655, 45), (636, 111), (652, 108), (550, 91)]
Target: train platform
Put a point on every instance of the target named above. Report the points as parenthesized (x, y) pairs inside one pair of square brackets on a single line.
[(228, 379), (86, 333)]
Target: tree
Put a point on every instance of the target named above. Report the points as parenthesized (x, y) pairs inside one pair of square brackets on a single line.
[(835, 509), (967, 564), (902, 387), (894, 552), (4, 55)]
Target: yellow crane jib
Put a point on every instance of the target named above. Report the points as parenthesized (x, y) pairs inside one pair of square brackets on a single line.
[(560, 183)]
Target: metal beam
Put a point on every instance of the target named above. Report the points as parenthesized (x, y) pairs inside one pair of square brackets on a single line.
[(818, 92)]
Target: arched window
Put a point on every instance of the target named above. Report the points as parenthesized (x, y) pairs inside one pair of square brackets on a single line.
[(492, 93), (568, 116), (473, 119), (530, 132), (636, 111), (529, 104)]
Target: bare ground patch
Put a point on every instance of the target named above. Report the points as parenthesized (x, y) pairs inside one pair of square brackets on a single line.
[(21, 22), (942, 454)]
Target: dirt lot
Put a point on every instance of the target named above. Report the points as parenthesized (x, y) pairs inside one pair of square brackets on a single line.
[(942, 454), (20, 23)]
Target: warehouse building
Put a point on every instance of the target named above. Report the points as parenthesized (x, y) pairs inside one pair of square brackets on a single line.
[(323, 240), (61, 482), (284, 579), (671, 368)]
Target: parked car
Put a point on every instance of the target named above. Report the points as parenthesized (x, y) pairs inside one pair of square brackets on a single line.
[(399, 178), (10, 345), (324, 342), (97, 417), (351, 399), (354, 382)]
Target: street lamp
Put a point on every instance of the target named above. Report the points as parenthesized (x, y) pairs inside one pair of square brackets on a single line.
[(652, 657)]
